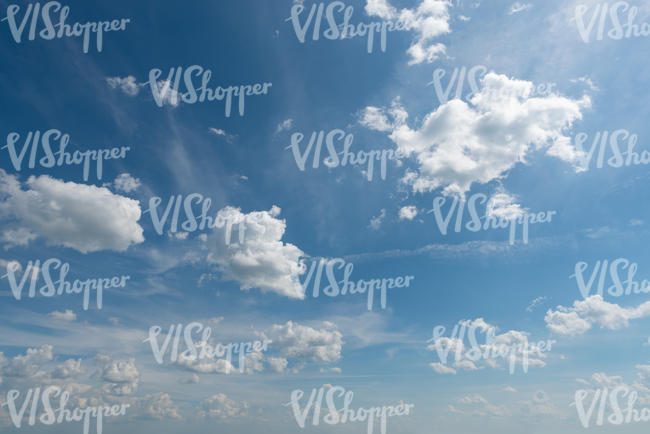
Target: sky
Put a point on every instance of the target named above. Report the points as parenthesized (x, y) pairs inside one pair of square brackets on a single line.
[(511, 111)]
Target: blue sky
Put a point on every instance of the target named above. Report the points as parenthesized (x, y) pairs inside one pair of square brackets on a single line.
[(519, 151)]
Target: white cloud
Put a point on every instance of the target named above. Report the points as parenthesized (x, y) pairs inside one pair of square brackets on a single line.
[(442, 369), (429, 20), (126, 183), (509, 389), (375, 222), (67, 315), (534, 303), (465, 357), (69, 368), (128, 85), (408, 212), (285, 125), (217, 131), (461, 143), (121, 377), (222, 407), (566, 323), (375, 119), (586, 80), (466, 365), (262, 260), (303, 342), (155, 406), (179, 235), (206, 365), (476, 399), (519, 7), (79, 216), (17, 237), (222, 133), (502, 206), (578, 319), (278, 364), (381, 9), (28, 365)]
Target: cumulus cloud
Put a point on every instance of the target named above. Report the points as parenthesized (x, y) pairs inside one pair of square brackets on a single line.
[(381, 9), (408, 212), (462, 143), (222, 407), (79, 216), (578, 319), (28, 365), (502, 206), (117, 379), (69, 368), (206, 365), (600, 380), (66, 315), (429, 20), (375, 119), (126, 183), (17, 237), (257, 258), (306, 343), (120, 377), (278, 364), (154, 406), (127, 85), (489, 349)]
